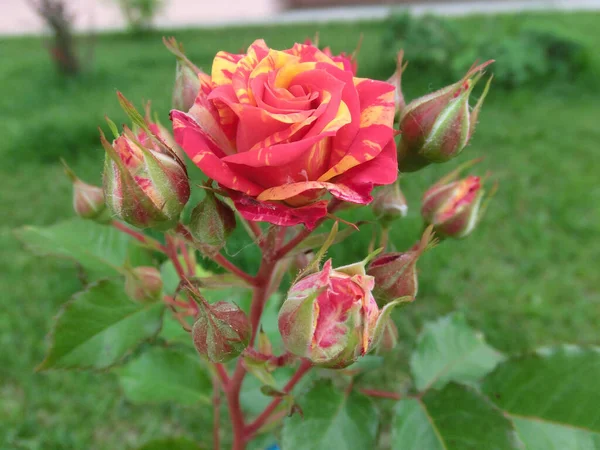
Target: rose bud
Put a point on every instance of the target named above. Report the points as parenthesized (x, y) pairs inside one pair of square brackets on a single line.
[(211, 223), (143, 284), (329, 317), (162, 139), (143, 186), (396, 81), (221, 332), (389, 203), (453, 206), (435, 128), (396, 273), (189, 79), (88, 200)]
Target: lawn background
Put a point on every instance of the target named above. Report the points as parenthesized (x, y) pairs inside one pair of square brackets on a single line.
[(527, 277)]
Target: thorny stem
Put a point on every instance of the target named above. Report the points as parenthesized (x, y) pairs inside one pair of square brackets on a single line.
[(381, 394), (253, 427), (139, 236)]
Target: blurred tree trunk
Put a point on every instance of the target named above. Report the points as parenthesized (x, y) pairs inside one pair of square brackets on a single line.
[(62, 48)]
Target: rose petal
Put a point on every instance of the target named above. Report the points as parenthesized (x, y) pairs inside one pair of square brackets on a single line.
[(277, 213), (294, 189), (376, 121), (381, 170), (203, 151)]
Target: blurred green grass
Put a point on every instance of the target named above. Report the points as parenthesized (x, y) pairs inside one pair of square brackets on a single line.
[(528, 276)]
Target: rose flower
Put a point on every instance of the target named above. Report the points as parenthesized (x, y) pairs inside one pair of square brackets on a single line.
[(279, 129)]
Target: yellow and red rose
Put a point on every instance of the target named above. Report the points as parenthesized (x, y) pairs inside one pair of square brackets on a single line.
[(278, 129)]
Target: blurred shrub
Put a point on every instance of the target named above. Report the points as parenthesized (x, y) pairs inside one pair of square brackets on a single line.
[(140, 13), (525, 56), (429, 42), (530, 56)]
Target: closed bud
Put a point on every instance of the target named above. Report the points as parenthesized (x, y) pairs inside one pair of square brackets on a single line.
[(329, 317), (389, 203), (88, 200), (161, 139), (211, 223), (144, 186), (222, 331), (453, 206), (189, 79), (143, 284), (396, 273), (437, 127), (396, 81)]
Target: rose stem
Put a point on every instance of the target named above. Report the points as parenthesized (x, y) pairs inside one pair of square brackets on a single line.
[(380, 394), (139, 236), (253, 427)]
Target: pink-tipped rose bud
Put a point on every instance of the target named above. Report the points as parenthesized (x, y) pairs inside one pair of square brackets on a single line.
[(162, 139), (221, 332), (88, 200), (189, 79), (211, 223), (453, 206), (144, 186), (143, 284), (330, 316), (389, 203), (396, 273), (437, 127)]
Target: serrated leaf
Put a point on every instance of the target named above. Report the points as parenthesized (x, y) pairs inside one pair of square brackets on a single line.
[(100, 249), (332, 419), (449, 350), (99, 326), (557, 386), (178, 443), (455, 418), (165, 375), (538, 435)]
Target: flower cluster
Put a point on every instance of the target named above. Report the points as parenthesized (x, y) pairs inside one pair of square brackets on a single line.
[(283, 136)]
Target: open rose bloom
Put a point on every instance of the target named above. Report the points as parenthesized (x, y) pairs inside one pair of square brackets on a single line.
[(280, 129)]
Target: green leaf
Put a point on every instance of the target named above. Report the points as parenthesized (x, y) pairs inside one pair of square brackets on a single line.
[(170, 444), (554, 387), (165, 375), (100, 250), (252, 399), (332, 419), (547, 436), (173, 332), (455, 418), (449, 350), (99, 326)]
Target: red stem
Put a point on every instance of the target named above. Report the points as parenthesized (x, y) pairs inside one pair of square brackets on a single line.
[(229, 266), (187, 257), (253, 427), (139, 236), (172, 254), (216, 414), (381, 394), (222, 374)]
